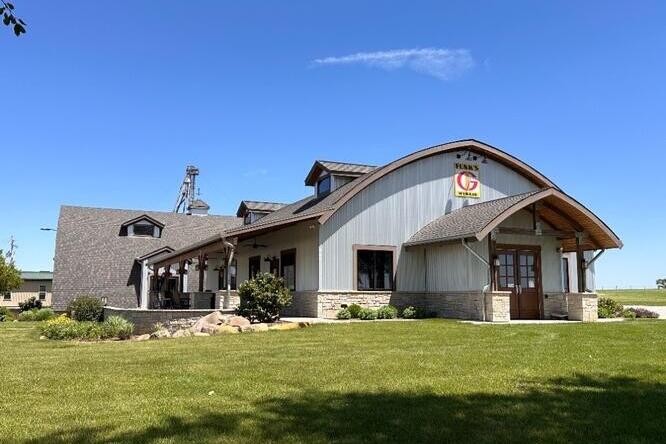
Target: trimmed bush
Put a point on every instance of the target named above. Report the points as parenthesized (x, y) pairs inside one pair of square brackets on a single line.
[(5, 314), (344, 314), (609, 308), (64, 328), (643, 313), (409, 313), (354, 309), (367, 314), (86, 308), (30, 304), (262, 298), (36, 315), (387, 312)]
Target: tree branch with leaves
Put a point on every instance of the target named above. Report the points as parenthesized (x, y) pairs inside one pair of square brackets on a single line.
[(10, 276), (9, 19)]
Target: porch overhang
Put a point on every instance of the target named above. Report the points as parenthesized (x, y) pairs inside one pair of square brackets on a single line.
[(214, 244), (575, 225)]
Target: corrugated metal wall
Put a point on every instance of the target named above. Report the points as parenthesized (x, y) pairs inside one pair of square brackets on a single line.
[(390, 210)]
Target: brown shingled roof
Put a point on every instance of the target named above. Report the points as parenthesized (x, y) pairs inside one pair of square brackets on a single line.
[(253, 205), (343, 168)]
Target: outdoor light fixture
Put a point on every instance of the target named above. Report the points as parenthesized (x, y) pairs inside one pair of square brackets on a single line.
[(496, 262), (104, 300)]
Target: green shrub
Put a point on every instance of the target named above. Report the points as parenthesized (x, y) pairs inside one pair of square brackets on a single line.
[(354, 310), (117, 327), (5, 314), (64, 328), (344, 314), (609, 308), (86, 308), (36, 315), (628, 314), (409, 313), (367, 314), (30, 304), (643, 313), (262, 298), (387, 312)]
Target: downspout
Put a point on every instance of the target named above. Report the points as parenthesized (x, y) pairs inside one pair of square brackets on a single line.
[(228, 269), (485, 287)]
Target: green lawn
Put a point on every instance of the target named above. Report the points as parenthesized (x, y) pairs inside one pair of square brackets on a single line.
[(432, 380), (636, 297)]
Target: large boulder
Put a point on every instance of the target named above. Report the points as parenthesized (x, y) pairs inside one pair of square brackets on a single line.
[(181, 333), (225, 329), (208, 323), (160, 334), (238, 321)]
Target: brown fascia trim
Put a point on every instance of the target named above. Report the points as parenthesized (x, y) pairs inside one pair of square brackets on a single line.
[(472, 145), (260, 229)]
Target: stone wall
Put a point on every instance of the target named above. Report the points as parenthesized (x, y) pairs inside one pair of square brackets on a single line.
[(144, 320), (554, 303), (230, 302), (303, 303), (582, 307)]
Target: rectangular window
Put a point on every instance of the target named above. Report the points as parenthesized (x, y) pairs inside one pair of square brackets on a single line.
[(288, 272), (222, 282), (255, 266), (42, 292), (324, 185), (7, 296), (374, 269), (565, 274), (274, 264)]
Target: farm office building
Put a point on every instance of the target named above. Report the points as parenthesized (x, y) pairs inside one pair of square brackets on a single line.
[(463, 230)]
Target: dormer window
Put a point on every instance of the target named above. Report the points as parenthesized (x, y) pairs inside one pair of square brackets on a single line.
[(144, 229), (142, 226), (324, 185), (252, 211)]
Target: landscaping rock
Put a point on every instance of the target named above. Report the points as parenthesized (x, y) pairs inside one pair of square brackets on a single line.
[(142, 337), (258, 327), (181, 334), (225, 329), (160, 334), (238, 321), (288, 326), (209, 323), (200, 333), (42, 337)]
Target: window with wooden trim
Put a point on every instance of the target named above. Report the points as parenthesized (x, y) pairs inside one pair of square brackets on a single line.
[(288, 268), (222, 282), (42, 292), (7, 296), (254, 266), (374, 270)]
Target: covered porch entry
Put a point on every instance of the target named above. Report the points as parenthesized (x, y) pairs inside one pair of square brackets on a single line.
[(201, 276), (521, 246)]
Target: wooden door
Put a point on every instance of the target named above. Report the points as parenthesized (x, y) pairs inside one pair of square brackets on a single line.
[(519, 272)]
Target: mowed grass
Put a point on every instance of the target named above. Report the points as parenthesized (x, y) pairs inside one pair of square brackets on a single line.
[(636, 297), (423, 381)]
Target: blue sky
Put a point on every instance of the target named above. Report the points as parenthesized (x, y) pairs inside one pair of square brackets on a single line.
[(104, 104)]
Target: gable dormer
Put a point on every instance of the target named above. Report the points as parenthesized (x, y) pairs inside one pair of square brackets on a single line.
[(142, 226), (326, 176), (252, 211)]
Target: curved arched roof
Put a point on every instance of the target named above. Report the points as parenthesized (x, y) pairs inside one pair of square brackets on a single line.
[(471, 145)]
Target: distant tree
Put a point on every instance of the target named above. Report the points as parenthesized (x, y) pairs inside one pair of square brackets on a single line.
[(9, 19), (661, 283), (10, 276)]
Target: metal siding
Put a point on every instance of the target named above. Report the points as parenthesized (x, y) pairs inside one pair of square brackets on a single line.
[(301, 237), (452, 268), (390, 210)]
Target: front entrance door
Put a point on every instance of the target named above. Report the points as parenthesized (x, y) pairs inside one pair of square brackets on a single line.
[(519, 272)]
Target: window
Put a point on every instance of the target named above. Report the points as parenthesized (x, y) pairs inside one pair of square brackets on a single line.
[(506, 271), (274, 266), (42, 292), (254, 266), (7, 296), (232, 277), (565, 274), (144, 229), (374, 269), (247, 220), (288, 271), (324, 185)]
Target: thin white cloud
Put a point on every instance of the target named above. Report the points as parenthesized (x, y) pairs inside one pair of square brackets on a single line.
[(444, 64), (255, 173)]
